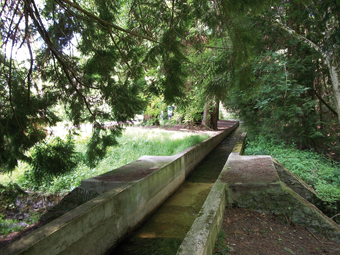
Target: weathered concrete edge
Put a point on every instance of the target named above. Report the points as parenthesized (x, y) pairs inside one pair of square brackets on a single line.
[(297, 184), (98, 224), (203, 233)]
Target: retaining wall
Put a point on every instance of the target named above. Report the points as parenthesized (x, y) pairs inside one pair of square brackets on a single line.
[(124, 202)]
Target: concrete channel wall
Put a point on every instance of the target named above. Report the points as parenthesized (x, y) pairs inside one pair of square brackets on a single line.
[(203, 233), (127, 195)]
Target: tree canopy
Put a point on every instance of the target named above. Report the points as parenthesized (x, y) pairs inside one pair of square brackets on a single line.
[(102, 60)]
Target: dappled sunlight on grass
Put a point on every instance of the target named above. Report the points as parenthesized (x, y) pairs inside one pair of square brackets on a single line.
[(134, 143)]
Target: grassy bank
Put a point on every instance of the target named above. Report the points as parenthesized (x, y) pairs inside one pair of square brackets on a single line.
[(134, 143)]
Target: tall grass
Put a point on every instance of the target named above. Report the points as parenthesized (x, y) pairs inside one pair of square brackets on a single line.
[(134, 143), (315, 169)]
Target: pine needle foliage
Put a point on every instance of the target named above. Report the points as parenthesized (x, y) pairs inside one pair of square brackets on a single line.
[(52, 158)]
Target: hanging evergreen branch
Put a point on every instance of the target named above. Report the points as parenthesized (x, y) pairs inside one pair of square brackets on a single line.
[(108, 24), (34, 14), (293, 33), (120, 52)]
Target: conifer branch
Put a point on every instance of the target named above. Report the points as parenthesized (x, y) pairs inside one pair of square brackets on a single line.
[(21, 128), (26, 37), (34, 14), (234, 27), (142, 18), (10, 33), (216, 47), (171, 23), (120, 52), (325, 103), (108, 24), (293, 33)]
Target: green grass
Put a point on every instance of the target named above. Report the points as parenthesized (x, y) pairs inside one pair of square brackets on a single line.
[(8, 226), (315, 169), (221, 247), (134, 143)]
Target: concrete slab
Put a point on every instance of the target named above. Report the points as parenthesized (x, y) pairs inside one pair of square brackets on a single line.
[(250, 170), (248, 175), (127, 174)]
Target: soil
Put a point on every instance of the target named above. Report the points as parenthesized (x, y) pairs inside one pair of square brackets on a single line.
[(22, 208), (250, 232)]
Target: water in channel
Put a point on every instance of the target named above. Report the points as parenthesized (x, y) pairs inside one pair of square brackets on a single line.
[(163, 232)]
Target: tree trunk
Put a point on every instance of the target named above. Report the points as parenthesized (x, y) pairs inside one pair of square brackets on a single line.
[(334, 70), (206, 115), (214, 115)]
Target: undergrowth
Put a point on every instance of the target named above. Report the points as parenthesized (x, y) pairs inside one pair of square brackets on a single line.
[(315, 169), (133, 143), (221, 247), (8, 226)]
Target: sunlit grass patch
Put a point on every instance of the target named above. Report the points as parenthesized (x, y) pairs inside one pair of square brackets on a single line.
[(134, 143)]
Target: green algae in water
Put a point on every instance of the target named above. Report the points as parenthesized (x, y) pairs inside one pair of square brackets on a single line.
[(147, 246)]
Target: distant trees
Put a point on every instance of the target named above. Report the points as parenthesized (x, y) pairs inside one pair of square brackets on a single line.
[(293, 93), (316, 24)]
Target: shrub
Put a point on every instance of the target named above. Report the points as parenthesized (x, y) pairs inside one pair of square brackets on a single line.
[(50, 158)]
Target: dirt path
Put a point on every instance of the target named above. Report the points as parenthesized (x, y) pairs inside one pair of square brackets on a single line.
[(249, 232)]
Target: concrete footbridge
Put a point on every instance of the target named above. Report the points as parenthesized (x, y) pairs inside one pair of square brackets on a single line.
[(174, 204)]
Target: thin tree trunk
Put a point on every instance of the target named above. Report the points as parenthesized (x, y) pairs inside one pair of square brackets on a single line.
[(206, 115), (214, 115), (334, 70)]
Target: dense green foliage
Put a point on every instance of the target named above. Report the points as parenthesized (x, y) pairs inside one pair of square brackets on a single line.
[(52, 158), (289, 92), (315, 169)]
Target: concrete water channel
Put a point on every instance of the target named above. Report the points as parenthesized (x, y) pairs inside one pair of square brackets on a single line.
[(163, 232), (190, 189)]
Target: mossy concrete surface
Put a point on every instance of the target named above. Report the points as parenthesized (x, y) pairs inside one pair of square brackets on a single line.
[(203, 233), (247, 175), (97, 225), (253, 182), (127, 174), (297, 184)]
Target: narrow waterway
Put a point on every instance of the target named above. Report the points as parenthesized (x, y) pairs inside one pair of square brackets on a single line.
[(163, 232)]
